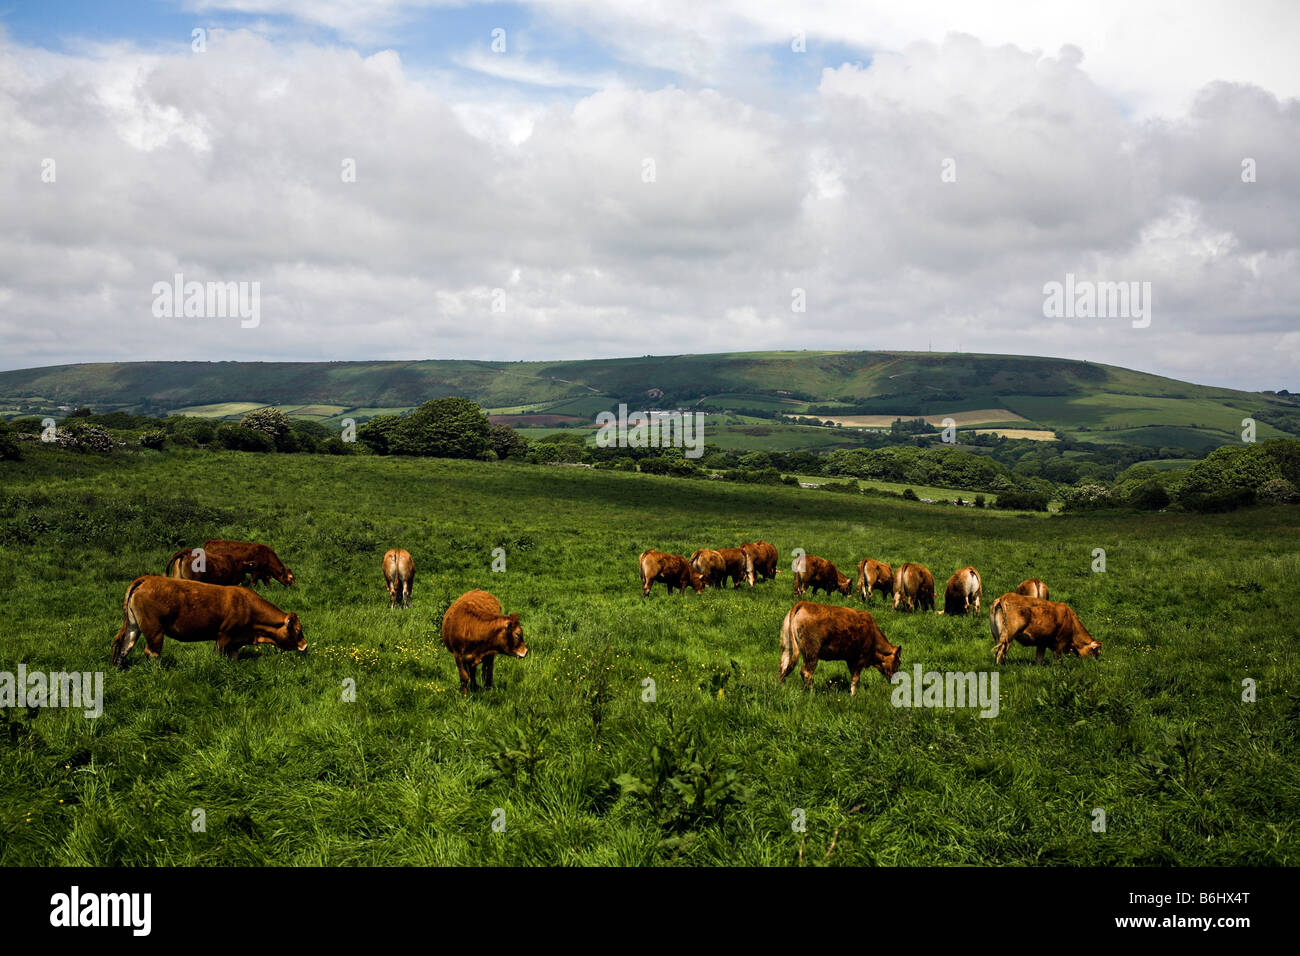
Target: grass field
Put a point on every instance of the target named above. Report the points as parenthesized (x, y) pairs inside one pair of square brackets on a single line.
[(285, 771)]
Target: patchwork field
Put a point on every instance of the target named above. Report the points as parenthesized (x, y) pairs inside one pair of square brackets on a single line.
[(571, 752)]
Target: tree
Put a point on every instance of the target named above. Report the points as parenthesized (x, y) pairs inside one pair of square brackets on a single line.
[(506, 442), (447, 428), (271, 422)]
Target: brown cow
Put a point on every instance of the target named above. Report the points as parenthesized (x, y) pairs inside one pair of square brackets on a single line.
[(1035, 588), (195, 564), (257, 559), (964, 591), (735, 561), (1043, 624), (914, 585), (829, 632), (475, 631), (874, 576), (760, 561), (711, 566), (813, 572), (234, 617), (672, 569), (399, 575)]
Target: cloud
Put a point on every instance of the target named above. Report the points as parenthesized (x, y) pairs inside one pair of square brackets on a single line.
[(626, 220)]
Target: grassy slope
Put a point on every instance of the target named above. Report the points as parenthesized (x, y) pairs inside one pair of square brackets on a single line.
[(1155, 733), (1056, 393)]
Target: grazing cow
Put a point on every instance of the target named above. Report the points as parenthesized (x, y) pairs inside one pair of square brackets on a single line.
[(672, 569), (914, 586), (760, 561), (813, 572), (1043, 624), (735, 561), (475, 631), (234, 617), (195, 564), (711, 566), (832, 633), (1035, 588), (964, 591), (399, 574), (257, 559), (874, 576)]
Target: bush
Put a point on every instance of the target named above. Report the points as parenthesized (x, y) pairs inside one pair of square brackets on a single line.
[(242, 438), (910, 495), (979, 501), (1022, 499), (1149, 496), (1278, 491), (274, 424), (155, 438), (9, 450), (81, 437), (1228, 499)]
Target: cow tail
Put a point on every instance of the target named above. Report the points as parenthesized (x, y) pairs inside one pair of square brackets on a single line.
[(789, 643), (170, 565), (995, 623), (128, 622)]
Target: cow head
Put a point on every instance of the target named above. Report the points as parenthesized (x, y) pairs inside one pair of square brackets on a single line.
[(697, 579), (514, 636), (846, 586), (1083, 643), (289, 636), (285, 577), (888, 663)]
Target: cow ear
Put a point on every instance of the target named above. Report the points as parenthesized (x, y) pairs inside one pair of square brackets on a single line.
[(292, 618), (513, 618)]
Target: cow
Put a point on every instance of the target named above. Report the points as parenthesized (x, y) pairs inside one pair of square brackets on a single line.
[(833, 633), (234, 617), (1035, 588), (914, 587), (760, 561), (711, 566), (874, 576), (257, 559), (735, 561), (813, 572), (195, 564), (1039, 623), (399, 575), (672, 569), (963, 592), (475, 631)]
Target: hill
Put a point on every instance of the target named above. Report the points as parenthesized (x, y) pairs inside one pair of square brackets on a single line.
[(1082, 399)]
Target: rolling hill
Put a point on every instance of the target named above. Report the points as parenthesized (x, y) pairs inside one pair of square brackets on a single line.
[(1082, 399)]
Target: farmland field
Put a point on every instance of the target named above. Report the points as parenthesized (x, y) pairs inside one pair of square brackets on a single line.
[(285, 771)]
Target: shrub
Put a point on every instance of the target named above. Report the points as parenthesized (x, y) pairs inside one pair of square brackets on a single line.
[(81, 437), (274, 424), (910, 495), (242, 438), (1022, 499), (1278, 491), (155, 438)]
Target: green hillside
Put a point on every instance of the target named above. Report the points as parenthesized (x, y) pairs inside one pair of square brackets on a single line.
[(1082, 399)]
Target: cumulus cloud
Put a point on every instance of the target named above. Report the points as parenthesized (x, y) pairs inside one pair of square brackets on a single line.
[(921, 198)]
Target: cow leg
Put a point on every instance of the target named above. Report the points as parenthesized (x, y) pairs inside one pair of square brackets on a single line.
[(226, 646), (856, 671), (1038, 655), (153, 645), (487, 670), (406, 595), (464, 670), (809, 668)]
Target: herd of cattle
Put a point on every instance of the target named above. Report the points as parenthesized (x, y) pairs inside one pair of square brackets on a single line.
[(202, 597)]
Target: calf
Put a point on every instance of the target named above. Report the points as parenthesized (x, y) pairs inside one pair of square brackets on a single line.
[(964, 590), (672, 569), (710, 565), (399, 575), (760, 561), (1043, 624), (828, 632), (874, 576), (257, 560), (734, 558), (813, 572), (914, 587), (475, 631), (234, 617), (1035, 588)]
